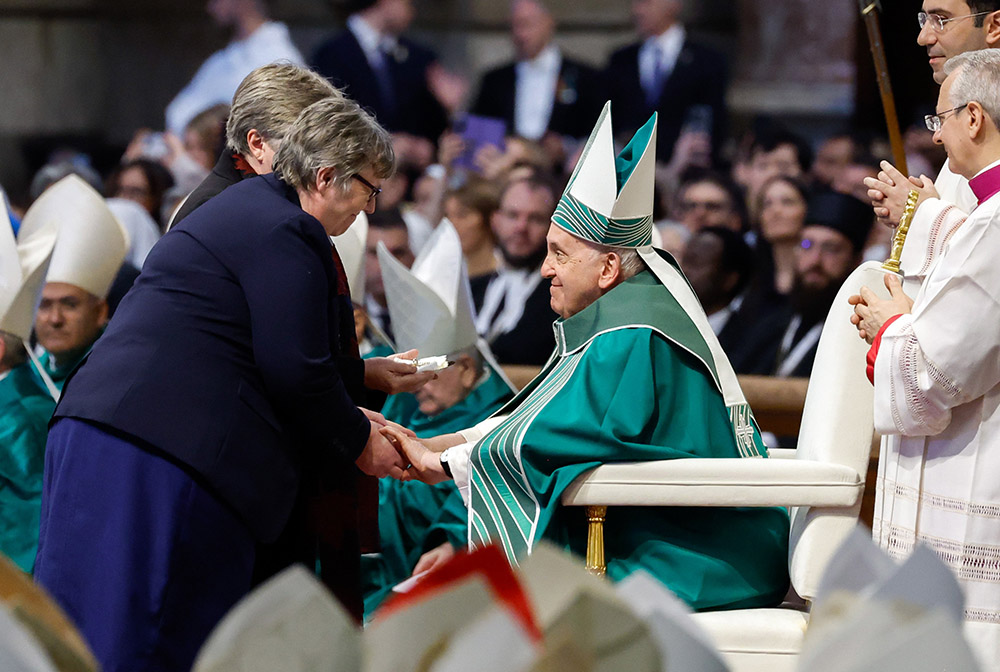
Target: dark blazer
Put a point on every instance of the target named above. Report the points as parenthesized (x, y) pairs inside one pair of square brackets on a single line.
[(580, 93), (224, 356), (224, 174), (416, 110), (698, 78)]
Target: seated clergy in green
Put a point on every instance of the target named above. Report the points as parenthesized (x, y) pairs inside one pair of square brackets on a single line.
[(637, 374), (431, 309), (25, 405), (90, 248)]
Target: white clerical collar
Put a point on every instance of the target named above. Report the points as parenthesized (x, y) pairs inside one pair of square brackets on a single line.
[(548, 59), (369, 38), (669, 43), (4, 375)]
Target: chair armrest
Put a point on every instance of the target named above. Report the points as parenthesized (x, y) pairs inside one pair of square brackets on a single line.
[(717, 482)]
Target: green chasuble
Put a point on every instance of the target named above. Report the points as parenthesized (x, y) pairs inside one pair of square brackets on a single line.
[(629, 382), (59, 372), (415, 517), (25, 410)]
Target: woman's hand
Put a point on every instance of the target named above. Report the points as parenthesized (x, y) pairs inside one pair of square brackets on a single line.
[(425, 464), (392, 377)]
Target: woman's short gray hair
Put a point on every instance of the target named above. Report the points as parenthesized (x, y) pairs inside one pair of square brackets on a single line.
[(334, 132), (270, 99), (978, 81)]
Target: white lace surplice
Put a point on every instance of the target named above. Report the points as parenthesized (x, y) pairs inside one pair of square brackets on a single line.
[(937, 392)]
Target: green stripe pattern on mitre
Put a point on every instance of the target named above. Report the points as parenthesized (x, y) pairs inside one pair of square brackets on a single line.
[(584, 222)]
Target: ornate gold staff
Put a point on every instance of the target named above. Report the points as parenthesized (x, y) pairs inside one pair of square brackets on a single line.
[(869, 12), (892, 263)]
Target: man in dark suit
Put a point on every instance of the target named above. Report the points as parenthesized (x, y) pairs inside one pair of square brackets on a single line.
[(667, 73), (542, 91), (385, 72), (218, 393)]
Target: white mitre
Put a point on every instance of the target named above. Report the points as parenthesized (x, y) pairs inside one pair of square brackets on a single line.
[(22, 273), (609, 198), (91, 243), (430, 305), (351, 246)]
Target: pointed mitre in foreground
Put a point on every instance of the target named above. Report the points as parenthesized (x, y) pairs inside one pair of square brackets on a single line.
[(90, 243), (430, 305), (351, 246), (22, 273), (609, 199)]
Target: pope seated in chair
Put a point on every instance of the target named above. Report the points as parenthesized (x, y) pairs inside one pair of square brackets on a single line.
[(430, 306), (637, 374)]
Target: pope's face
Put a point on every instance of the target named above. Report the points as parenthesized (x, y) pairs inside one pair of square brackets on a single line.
[(69, 319), (574, 269), (958, 36)]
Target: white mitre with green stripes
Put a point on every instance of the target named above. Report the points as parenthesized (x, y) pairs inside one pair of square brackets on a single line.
[(609, 199)]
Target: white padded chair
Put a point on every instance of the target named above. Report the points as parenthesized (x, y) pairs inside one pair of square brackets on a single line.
[(821, 483)]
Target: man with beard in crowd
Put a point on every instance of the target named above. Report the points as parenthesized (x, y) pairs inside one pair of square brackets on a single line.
[(514, 315), (833, 238)]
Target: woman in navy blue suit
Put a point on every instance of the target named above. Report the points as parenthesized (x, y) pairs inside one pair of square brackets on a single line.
[(226, 380)]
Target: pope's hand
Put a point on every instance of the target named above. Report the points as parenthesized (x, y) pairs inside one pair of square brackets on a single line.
[(392, 377), (425, 464), (380, 457), (871, 312)]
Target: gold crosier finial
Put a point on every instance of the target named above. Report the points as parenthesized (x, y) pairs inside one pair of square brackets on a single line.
[(892, 263)]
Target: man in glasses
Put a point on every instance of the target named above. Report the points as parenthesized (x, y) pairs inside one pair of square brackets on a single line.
[(936, 372), (947, 28)]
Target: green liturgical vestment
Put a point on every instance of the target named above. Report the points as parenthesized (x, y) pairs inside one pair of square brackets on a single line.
[(415, 517), (631, 379), (25, 409), (59, 373)]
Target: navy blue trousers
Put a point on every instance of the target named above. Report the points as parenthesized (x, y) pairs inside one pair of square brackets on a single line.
[(143, 559)]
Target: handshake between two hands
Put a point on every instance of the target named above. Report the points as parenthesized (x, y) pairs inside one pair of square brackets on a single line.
[(393, 450)]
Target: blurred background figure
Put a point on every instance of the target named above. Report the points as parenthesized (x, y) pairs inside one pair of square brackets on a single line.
[(667, 72), (835, 231), (470, 209), (709, 199), (256, 41), (719, 265), (389, 228), (542, 94), (515, 317), (142, 181), (387, 73), (772, 153)]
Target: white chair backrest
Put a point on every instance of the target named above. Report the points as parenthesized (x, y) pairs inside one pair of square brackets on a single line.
[(837, 426)]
